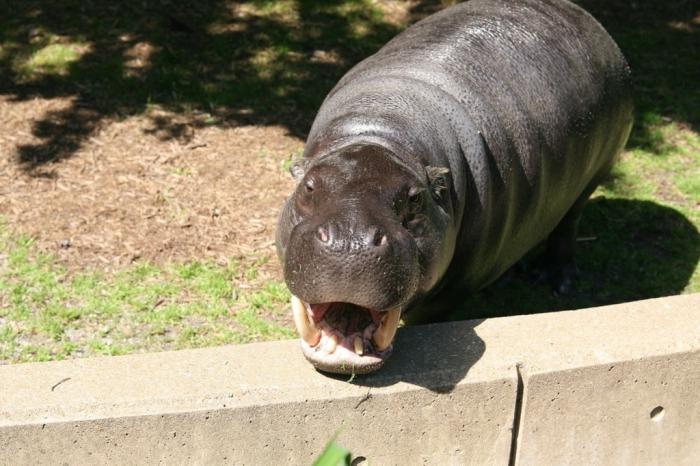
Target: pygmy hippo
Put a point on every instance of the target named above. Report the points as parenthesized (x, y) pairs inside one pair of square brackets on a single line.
[(438, 162)]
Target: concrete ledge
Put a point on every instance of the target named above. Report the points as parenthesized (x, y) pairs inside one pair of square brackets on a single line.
[(579, 386), (263, 404), (613, 385)]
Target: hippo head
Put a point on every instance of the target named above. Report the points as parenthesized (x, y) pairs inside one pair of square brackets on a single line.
[(362, 237)]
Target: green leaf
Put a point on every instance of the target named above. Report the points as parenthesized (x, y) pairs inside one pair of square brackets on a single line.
[(333, 455)]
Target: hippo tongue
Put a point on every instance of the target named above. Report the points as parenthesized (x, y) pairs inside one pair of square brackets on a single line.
[(347, 318), (318, 311)]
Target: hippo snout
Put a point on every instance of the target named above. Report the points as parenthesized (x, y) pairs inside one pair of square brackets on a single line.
[(366, 264), (371, 237), (349, 281)]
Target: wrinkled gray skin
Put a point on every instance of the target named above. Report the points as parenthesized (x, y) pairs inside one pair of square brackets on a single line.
[(525, 103)]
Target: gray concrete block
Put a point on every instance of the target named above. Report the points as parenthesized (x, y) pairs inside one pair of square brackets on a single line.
[(616, 385), (442, 400), (588, 390)]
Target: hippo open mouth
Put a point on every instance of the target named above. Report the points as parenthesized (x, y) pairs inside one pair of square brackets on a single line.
[(344, 338)]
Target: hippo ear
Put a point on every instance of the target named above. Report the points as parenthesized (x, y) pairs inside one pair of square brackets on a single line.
[(298, 168), (437, 177)]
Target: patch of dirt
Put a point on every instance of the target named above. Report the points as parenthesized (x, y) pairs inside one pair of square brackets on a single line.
[(134, 191)]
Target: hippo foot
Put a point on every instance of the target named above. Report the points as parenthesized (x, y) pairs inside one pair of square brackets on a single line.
[(561, 278)]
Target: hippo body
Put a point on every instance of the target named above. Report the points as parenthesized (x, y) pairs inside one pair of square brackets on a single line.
[(501, 117)]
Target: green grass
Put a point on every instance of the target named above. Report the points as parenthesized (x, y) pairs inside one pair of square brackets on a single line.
[(644, 222), (46, 313), (52, 59)]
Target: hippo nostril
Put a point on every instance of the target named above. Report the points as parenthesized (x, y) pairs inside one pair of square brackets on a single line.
[(379, 239), (322, 234)]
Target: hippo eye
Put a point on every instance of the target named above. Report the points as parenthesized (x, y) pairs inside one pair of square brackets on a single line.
[(415, 200), (309, 186), (414, 197)]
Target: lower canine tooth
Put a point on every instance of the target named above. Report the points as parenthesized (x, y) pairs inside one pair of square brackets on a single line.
[(307, 330), (331, 344), (359, 347), (384, 335)]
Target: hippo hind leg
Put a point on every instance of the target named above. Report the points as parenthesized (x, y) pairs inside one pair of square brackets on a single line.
[(559, 259)]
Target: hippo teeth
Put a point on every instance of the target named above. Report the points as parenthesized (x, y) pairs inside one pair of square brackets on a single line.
[(306, 328), (330, 344), (384, 335), (329, 326), (359, 346)]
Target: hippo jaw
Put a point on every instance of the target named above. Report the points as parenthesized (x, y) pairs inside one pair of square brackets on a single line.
[(344, 338)]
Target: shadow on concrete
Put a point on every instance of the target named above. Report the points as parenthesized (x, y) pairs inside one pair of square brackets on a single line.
[(435, 357)]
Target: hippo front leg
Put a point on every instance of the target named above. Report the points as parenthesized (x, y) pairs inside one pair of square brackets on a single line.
[(561, 270)]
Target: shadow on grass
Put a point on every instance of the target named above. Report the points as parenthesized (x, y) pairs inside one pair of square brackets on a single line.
[(661, 41), (258, 62), (632, 250), (269, 62)]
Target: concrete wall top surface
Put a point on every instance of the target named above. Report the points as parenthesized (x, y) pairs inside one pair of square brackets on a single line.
[(586, 337), (436, 357), (432, 356), (527, 389)]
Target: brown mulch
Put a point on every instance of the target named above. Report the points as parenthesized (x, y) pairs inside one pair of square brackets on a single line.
[(132, 193)]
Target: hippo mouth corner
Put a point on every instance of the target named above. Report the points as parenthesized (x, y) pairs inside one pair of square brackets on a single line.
[(345, 338)]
